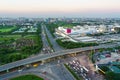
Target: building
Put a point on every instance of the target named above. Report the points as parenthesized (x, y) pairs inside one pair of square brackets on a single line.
[(117, 29)]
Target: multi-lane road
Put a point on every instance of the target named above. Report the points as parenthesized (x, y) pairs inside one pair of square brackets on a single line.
[(46, 48), (47, 56), (54, 72), (56, 47), (58, 52), (49, 71)]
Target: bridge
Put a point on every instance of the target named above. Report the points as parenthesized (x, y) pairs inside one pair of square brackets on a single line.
[(48, 56)]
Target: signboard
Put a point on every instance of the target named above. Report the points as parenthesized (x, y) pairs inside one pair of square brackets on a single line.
[(68, 31)]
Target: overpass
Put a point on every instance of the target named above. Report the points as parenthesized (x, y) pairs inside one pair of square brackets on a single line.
[(48, 56)]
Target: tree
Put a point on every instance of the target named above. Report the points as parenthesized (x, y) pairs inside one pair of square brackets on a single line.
[(112, 76)]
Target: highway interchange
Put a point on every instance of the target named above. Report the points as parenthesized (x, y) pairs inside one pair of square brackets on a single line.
[(57, 69), (54, 71)]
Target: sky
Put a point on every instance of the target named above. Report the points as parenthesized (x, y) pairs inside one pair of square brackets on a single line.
[(60, 8)]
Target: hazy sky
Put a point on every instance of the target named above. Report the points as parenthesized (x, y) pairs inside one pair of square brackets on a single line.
[(60, 8)]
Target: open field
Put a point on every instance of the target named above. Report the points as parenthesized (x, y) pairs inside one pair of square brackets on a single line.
[(9, 37), (7, 28), (68, 26), (31, 37), (27, 77)]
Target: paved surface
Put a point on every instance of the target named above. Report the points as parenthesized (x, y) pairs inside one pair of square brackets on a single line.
[(46, 47), (54, 71), (84, 61), (106, 60), (36, 71), (47, 56), (56, 47), (62, 73)]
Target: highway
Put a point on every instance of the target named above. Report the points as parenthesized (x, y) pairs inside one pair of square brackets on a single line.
[(47, 56), (62, 72), (37, 71), (59, 71), (46, 47), (56, 47), (53, 69)]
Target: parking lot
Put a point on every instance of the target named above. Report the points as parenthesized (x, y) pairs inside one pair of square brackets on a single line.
[(114, 57), (108, 38), (83, 67)]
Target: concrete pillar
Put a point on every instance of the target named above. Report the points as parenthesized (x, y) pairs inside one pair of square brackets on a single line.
[(96, 67), (43, 61), (7, 70), (75, 54)]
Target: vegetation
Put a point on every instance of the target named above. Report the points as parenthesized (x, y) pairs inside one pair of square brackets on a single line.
[(27, 77), (91, 56), (117, 47), (112, 76), (104, 68), (68, 25), (51, 27), (49, 40), (109, 74), (35, 45), (73, 73), (7, 29), (71, 45), (15, 47), (18, 47)]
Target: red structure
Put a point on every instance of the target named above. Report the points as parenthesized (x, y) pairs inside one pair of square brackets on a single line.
[(68, 31)]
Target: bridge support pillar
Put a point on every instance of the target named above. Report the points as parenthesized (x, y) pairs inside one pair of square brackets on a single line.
[(7, 70), (60, 57), (75, 54), (96, 66), (43, 61)]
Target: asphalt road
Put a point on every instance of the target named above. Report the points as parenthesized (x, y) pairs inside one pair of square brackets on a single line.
[(47, 56), (56, 47), (52, 69), (58, 52), (62, 73), (46, 47)]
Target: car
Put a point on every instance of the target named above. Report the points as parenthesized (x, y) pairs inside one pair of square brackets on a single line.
[(20, 70), (74, 61)]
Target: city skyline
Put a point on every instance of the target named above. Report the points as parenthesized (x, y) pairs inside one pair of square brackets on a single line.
[(60, 8)]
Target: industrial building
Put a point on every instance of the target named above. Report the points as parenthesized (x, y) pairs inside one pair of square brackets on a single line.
[(117, 29), (80, 33)]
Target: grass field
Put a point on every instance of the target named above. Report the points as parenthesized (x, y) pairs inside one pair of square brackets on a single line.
[(30, 36), (7, 29), (68, 26), (9, 37), (27, 77)]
